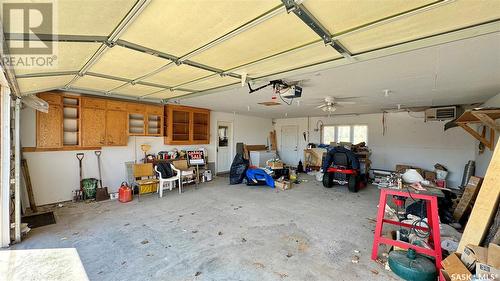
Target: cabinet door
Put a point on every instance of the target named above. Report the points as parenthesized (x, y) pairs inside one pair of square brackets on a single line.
[(49, 127), (116, 127), (93, 127)]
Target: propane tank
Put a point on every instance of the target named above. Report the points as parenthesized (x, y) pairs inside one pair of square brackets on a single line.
[(124, 193)]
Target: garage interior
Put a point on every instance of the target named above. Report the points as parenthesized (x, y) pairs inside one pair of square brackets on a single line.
[(250, 140)]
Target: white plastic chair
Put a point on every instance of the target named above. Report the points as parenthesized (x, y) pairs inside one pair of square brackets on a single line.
[(170, 181)]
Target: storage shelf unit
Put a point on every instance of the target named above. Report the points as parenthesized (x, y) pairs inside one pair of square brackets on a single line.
[(71, 120), (186, 125)]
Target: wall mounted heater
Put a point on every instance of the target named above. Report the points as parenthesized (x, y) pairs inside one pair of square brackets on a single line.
[(440, 113)]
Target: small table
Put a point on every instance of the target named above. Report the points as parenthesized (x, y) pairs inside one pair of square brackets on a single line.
[(430, 196)]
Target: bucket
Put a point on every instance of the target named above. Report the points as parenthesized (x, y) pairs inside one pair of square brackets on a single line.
[(89, 187)]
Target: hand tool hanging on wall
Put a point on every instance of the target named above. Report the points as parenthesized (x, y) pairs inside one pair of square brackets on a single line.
[(78, 194), (101, 192)]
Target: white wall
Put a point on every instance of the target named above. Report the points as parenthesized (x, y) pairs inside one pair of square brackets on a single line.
[(483, 160), (407, 140), (55, 174)]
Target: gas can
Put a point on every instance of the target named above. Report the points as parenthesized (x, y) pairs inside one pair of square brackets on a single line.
[(124, 193)]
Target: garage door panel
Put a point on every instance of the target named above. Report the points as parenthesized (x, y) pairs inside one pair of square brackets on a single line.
[(126, 63), (456, 15), (137, 90), (176, 75), (339, 16), (280, 33), (89, 17), (180, 26), (42, 83), (96, 83), (167, 94), (67, 56), (211, 82), (313, 54)]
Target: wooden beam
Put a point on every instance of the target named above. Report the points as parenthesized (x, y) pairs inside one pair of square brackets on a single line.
[(487, 120), (29, 187), (485, 206), (487, 143)]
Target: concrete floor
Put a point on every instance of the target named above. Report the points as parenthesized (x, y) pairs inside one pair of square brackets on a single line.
[(221, 232)]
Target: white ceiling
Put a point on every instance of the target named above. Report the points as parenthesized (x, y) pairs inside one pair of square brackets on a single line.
[(461, 72)]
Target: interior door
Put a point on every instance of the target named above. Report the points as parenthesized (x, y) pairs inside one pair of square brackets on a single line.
[(289, 145), (93, 127), (223, 147)]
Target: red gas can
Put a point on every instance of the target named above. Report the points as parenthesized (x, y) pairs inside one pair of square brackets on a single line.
[(124, 193)]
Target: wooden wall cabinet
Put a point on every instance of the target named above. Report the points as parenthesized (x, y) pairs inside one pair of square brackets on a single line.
[(116, 128), (186, 125), (49, 127), (93, 126)]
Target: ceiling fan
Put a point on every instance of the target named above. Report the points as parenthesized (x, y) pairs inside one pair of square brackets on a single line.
[(330, 104)]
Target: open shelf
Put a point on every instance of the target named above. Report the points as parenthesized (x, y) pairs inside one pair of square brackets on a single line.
[(71, 121)]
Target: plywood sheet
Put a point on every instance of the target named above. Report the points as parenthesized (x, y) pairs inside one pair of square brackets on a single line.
[(167, 94), (338, 16), (313, 54), (486, 204), (42, 83), (89, 17), (280, 33), (136, 90), (68, 56), (96, 83), (212, 82), (458, 14), (176, 75), (126, 63), (180, 26)]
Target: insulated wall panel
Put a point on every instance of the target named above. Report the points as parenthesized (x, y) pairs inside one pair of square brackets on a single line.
[(338, 16), (126, 63), (42, 83), (309, 55), (136, 90), (180, 26), (176, 75), (456, 15), (96, 83), (68, 56), (280, 33)]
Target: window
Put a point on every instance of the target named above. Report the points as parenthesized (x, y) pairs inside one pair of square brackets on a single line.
[(344, 133)]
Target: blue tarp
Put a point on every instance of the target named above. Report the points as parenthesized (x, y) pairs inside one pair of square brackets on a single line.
[(260, 175)]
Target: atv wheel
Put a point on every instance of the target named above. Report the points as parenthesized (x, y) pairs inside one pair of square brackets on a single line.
[(327, 180), (352, 183)]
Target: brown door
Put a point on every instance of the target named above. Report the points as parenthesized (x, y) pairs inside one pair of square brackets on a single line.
[(49, 127), (93, 127), (116, 127)]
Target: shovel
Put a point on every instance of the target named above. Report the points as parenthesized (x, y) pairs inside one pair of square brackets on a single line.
[(78, 194), (101, 192)]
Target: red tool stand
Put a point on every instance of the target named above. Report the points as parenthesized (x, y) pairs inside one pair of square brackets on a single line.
[(432, 219)]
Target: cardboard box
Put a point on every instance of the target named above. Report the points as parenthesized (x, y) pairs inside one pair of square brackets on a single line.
[(402, 168), (283, 185), (473, 254), (276, 165), (429, 175), (494, 255), (470, 193), (487, 272), (454, 268)]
